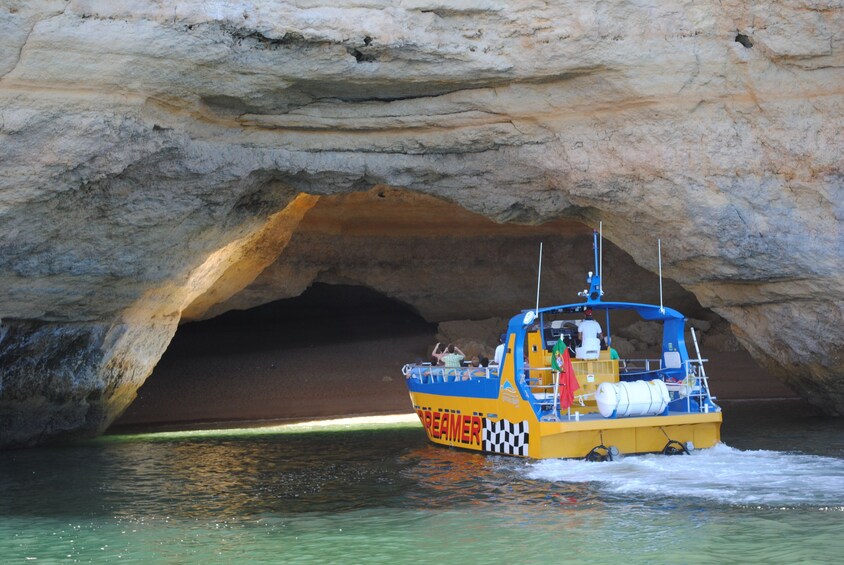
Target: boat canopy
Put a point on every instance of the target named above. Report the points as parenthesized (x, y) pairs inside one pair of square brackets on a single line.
[(674, 351), (646, 311)]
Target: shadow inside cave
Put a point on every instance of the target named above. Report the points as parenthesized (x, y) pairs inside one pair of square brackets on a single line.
[(334, 350)]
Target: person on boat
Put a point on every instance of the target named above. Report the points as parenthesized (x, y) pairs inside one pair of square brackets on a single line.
[(473, 369), (613, 352), (452, 357), (437, 355), (589, 328), (499, 351)]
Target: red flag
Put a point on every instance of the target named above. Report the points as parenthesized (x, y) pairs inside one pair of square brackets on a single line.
[(568, 382)]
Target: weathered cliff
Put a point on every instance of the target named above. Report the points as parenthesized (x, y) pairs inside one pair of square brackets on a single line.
[(157, 156)]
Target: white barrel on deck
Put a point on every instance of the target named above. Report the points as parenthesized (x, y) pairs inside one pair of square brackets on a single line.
[(637, 398)]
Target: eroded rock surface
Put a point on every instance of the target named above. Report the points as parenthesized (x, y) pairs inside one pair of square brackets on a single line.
[(145, 148)]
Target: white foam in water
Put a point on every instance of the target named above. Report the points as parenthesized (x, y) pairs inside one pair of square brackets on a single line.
[(722, 474)]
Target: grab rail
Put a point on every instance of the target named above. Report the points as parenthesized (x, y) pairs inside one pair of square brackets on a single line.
[(639, 365), (427, 373)]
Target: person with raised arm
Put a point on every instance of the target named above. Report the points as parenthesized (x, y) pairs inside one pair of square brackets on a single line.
[(437, 355), (452, 356)]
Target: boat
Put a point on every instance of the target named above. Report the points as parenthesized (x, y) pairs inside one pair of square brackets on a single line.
[(588, 405)]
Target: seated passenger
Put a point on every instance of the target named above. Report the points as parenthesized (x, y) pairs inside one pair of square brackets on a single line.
[(425, 373), (590, 334), (468, 369), (589, 328)]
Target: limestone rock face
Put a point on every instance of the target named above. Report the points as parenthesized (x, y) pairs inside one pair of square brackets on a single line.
[(148, 148)]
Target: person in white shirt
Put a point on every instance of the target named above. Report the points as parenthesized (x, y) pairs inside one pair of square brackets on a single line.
[(499, 351), (589, 328)]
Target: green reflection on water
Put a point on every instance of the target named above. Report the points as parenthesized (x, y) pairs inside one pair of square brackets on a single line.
[(506, 535)]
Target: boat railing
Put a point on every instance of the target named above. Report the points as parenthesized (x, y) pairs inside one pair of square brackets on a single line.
[(526, 373), (697, 384), (639, 365), (543, 394), (427, 373), (695, 370), (533, 381), (546, 396), (693, 387)]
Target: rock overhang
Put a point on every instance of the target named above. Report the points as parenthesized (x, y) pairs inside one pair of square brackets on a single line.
[(153, 143)]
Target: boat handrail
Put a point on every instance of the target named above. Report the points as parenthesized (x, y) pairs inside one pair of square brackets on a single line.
[(641, 375), (643, 365), (427, 373), (527, 368)]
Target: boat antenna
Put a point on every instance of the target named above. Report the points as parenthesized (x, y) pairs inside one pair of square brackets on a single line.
[(659, 253), (538, 278), (601, 255), (595, 251), (601, 270)]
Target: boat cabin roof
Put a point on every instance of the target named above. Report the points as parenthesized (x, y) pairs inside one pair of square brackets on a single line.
[(646, 311)]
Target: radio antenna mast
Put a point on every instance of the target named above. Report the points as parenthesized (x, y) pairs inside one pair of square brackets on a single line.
[(601, 272), (601, 254), (538, 278), (659, 252)]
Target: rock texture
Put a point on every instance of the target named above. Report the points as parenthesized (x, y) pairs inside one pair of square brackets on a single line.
[(147, 148)]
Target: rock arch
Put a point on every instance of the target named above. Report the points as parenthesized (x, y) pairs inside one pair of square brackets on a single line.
[(453, 267), (144, 150)]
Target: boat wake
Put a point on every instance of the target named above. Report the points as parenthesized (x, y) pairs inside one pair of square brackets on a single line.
[(722, 474)]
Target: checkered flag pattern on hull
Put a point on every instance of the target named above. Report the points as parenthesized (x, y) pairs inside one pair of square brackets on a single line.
[(504, 436)]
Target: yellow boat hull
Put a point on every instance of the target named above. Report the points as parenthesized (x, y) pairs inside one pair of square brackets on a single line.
[(508, 425)]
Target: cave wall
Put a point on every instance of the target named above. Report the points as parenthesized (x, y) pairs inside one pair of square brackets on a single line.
[(144, 146)]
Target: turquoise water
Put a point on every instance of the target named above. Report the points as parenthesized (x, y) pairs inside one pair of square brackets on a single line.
[(774, 493)]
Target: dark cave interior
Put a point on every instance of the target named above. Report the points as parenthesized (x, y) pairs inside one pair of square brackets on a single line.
[(244, 365)]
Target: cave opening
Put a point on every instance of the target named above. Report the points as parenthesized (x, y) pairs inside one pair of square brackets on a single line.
[(369, 281), (323, 353)]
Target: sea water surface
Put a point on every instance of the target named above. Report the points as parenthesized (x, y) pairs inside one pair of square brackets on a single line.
[(354, 493)]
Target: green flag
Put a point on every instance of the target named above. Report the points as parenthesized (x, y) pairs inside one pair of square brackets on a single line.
[(557, 355)]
